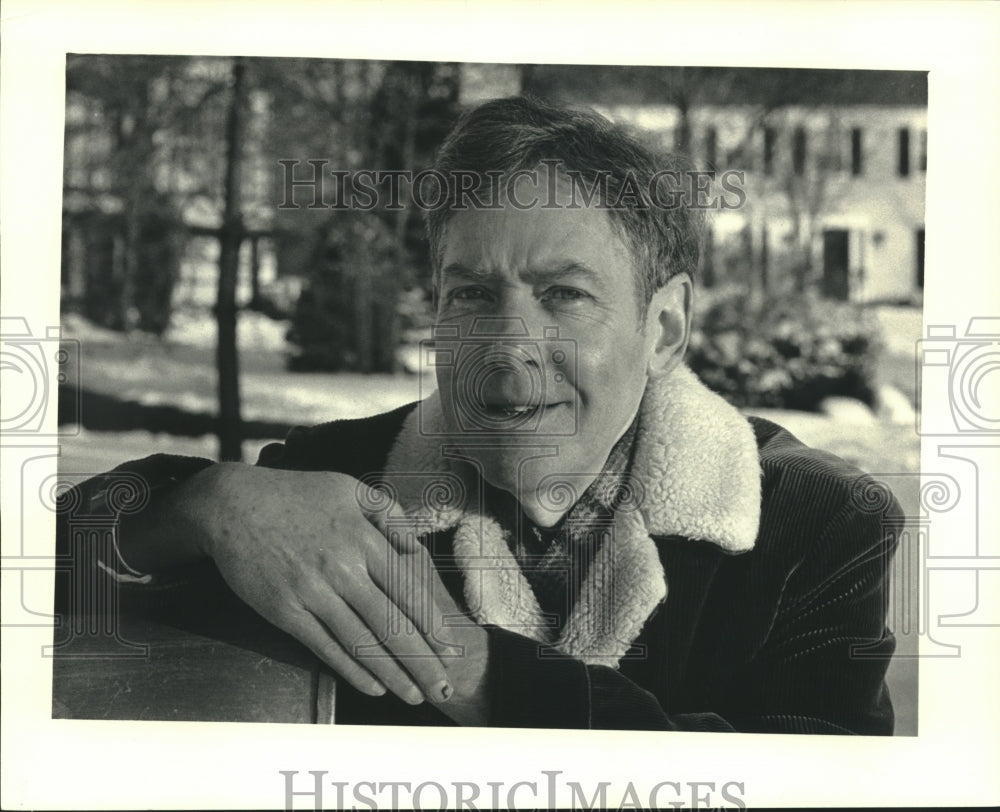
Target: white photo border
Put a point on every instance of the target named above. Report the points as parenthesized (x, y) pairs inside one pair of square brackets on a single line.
[(76, 764)]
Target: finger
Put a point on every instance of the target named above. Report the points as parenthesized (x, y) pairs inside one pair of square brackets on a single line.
[(399, 638), (314, 634), (376, 504), (365, 645), (410, 579), (413, 583), (403, 535)]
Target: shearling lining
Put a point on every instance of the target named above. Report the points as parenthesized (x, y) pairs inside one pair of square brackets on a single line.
[(695, 474)]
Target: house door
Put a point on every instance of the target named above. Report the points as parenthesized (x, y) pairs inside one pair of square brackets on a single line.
[(835, 264)]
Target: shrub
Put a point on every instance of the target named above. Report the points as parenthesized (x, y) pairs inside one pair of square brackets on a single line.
[(346, 317), (789, 352)]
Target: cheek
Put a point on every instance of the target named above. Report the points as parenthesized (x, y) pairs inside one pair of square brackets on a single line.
[(610, 371), (443, 377)]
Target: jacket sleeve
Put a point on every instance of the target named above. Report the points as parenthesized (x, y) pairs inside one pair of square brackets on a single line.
[(822, 667), (348, 446), (102, 500), (532, 685), (819, 669)]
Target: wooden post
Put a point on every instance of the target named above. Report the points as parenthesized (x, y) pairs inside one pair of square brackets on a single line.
[(255, 270)]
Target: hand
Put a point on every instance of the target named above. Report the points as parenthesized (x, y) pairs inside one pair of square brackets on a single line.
[(296, 547), (465, 653)]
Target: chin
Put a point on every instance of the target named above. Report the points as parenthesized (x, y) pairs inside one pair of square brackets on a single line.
[(501, 473), (506, 472)]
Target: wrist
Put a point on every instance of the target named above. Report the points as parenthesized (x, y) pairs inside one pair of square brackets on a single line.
[(200, 504)]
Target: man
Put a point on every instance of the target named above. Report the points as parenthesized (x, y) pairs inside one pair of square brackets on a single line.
[(573, 531)]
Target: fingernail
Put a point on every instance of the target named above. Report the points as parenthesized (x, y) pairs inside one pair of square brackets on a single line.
[(378, 689), (443, 690), (413, 696)]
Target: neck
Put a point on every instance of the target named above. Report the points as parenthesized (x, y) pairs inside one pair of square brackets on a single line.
[(539, 508), (546, 507)]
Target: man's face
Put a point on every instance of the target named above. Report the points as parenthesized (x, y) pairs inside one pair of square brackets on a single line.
[(543, 302)]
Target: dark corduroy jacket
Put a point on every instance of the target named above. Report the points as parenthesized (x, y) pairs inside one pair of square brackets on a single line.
[(781, 628)]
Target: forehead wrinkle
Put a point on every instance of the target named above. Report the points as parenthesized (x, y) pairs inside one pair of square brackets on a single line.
[(548, 273), (457, 269), (508, 244), (559, 271)]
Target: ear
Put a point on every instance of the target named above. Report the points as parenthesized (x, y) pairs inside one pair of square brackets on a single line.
[(668, 321)]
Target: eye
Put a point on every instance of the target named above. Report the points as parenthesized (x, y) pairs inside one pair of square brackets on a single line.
[(467, 293), (565, 294)]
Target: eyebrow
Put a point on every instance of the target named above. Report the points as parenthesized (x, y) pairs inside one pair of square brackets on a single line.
[(534, 275)]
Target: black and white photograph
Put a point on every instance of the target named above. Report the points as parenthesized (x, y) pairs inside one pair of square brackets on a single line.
[(579, 307), (424, 403)]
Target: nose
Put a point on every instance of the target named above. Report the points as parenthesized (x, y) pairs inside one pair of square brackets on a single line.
[(512, 366), (506, 340), (515, 314), (500, 327)]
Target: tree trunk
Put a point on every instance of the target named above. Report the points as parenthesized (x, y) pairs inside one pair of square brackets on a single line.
[(255, 272), (365, 323), (130, 263), (390, 322), (708, 260), (230, 237), (682, 136), (765, 280)]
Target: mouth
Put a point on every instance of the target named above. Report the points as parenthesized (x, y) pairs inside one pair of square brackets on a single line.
[(508, 411)]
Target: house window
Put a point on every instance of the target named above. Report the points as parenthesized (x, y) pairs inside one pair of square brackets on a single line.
[(922, 160), (829, 158), (799, 151), (770, 139), (903, 165), (920, 257), (740, 156), (857, 152), (711, 147)]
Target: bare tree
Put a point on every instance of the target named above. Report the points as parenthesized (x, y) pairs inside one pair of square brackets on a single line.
[(230, 239)]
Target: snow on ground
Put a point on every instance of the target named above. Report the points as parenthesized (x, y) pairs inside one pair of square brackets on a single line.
[(188, 328), (254, 331), (92, 452)]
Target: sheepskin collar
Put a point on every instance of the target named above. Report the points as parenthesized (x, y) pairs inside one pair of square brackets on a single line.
[(695, 474)]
